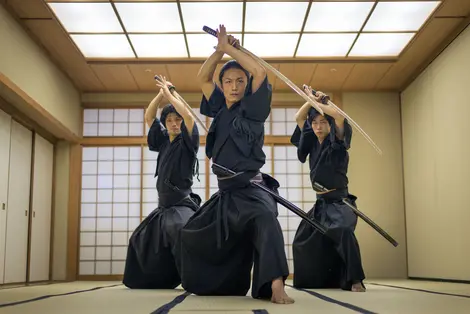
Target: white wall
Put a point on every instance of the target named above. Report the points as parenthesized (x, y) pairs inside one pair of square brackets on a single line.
[(435, 111)]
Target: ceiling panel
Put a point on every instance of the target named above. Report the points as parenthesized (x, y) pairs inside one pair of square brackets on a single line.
[(436, 31), (365, 76), (115, 77), (184, 76), (317, 64), (330, 76), (299, 74), (60, 47), (30, 9), (263, 32), (144, 75)]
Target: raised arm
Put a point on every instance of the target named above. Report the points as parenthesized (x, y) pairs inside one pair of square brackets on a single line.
[(302, 115), (338, 118), (179, 106), (247, 62), (206, 73), (152, 109)]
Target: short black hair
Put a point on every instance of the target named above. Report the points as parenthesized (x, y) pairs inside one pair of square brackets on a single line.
[(232, 64), (166, 111), (312, 113)]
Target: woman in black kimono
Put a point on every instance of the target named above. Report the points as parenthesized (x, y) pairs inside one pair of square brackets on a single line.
[(152, 261), (319, 261), (237, 227)]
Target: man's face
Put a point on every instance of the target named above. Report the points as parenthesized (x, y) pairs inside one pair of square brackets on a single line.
[(320, 126), (234, 82), (173, 124)]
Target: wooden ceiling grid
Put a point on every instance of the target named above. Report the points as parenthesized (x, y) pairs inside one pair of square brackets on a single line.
[(332, 74)]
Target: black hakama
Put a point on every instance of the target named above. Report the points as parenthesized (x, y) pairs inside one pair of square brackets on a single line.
[(237, 227), (152, 257), (322, 261)]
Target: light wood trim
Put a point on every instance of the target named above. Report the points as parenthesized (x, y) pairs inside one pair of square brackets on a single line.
[(141, 100), (32, 109), (30, 210), (53, 207), (440, 48), (136, 141), (298, 60), (100, 277), (73, 218), (26, 121)]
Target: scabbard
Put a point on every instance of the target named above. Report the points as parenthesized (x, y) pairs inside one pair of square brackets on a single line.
[(369, 221)]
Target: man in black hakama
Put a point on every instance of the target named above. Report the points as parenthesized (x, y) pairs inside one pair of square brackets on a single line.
[(321, 261), (152, 259), (237, 227)]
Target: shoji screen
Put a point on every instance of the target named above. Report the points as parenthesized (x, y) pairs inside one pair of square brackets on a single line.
[(295, 186), (292, 175), (118, 187), (113, 122), (111, 207)]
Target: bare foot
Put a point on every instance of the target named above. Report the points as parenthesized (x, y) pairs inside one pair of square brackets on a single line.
[(279, 294), (358, 287)]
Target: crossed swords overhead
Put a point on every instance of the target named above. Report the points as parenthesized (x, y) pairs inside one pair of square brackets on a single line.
[(325, 100)]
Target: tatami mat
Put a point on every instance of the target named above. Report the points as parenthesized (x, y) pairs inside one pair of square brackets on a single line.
[(381, 297)]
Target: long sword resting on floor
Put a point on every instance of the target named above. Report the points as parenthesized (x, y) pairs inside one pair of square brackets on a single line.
[(299, 212), (178, 96), (369, 221)]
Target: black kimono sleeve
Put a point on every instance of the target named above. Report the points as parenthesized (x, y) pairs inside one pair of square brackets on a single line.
[(191, 141), (304, 140), (157, 136), (346, 141), (211, 107), (257, 106)]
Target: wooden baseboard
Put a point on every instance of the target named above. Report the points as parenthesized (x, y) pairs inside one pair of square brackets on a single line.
[(440, 280)]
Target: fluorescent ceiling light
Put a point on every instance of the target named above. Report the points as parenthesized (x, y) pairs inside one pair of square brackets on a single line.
[(103, 46), (380, 45), (325, 45), (271, 45), (87, 17), (159, 46), (198, 14), (337, 16), (202, 45), (275, 16), (150, 17), (400, 15)]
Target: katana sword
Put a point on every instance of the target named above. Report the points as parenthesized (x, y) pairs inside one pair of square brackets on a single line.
[(320, 188), (266, 65), (178, 96)]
